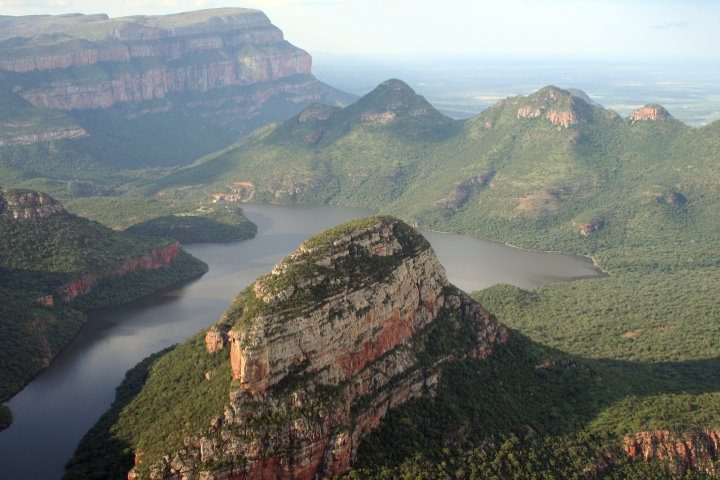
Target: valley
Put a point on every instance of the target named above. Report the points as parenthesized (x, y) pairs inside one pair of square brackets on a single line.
[(477, 284), (115, 339)]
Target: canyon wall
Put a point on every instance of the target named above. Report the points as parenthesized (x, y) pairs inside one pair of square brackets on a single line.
[(27, 204), (322, 348), (133, 59), (693, 451), (229, 69)]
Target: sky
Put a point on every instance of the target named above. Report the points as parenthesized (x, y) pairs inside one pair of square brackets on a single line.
[(614, 29)]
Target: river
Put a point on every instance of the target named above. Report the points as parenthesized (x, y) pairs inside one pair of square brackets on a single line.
[(55, 410)]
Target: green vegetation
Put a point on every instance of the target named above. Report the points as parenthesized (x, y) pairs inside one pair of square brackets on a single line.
[(100, 455), (645, 193), (38, 256), (5, 417), (514, 457), (590, 361), (225, 224), (164, 399)]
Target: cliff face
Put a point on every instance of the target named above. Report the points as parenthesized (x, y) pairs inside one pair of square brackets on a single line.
[(26, 204), (680, 453), (223, 66), (338, 334), (150, 261), (144, 58)]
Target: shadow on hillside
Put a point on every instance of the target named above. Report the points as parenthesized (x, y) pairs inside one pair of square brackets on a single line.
[(102, 454), (526, 388)]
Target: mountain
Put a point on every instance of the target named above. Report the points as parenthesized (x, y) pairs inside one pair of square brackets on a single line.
[(54, 265), (306, 361), (547, 171), (545, 168), (84, 95)]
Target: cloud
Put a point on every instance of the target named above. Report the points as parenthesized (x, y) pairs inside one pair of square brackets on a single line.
[(669, 25)]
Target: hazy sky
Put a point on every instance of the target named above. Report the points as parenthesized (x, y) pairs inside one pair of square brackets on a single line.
[(526, 28)]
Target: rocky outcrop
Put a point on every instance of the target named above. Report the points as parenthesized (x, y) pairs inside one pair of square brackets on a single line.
[(561, 118), (382, 117), (51, 134), (649, 113), (146, 58), (559, 107), (150, 261), (586, 229), (22, 205), (322, 348), (696, 451)]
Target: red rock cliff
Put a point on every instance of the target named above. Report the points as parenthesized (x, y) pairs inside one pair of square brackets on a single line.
[(335, 344), (144, 58), (150, 261), (696, 451)]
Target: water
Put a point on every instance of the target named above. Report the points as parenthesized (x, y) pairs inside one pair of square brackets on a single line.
[(54, 411)]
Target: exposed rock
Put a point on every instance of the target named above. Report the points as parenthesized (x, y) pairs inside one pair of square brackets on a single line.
[(594, 225), (323, 347), (208, 50), (562, 118), (316, 113), (528, 112), (47, 135), (45, 300), (694, 451), (149, 261), (28, 205), (215, 340), (651, 113), (382, 117)]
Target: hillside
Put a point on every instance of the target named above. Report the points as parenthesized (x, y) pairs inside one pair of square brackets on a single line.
[(356, 352), (54, 265), (87, 97), (549, 171)]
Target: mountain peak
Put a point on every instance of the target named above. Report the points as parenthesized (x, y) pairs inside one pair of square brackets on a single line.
[(556, 105), (391, 99), (341, 258), (651, 113), (311, 379)]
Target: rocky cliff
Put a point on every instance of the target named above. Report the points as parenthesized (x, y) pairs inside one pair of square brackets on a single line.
[(680, 453), (356, 322), (98, 63), (152, 260), (227, 66), (27, 204)]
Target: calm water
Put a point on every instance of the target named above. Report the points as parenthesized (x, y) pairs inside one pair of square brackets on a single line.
[(56, 409)]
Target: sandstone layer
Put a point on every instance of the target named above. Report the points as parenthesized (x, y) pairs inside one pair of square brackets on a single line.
[(680, 453), (228, 68), (26, 205), (339, 333)]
